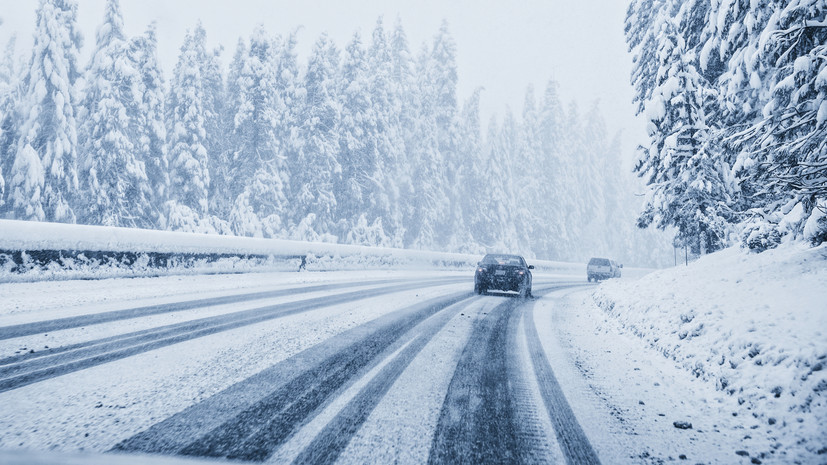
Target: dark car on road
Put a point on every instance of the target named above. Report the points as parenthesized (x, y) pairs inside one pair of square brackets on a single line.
[(503, 273)]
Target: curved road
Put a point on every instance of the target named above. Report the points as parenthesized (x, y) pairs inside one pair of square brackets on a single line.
[(443, 377)]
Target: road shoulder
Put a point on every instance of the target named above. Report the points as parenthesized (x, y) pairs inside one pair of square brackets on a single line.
[(628, 397)]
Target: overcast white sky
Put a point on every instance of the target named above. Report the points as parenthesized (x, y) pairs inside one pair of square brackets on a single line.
[(501, 45)]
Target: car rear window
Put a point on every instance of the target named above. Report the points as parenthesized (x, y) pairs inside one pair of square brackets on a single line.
[(511, 260), (599, 262)]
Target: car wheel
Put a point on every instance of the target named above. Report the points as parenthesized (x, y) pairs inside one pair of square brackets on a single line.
[(524, 290), (479, 289)]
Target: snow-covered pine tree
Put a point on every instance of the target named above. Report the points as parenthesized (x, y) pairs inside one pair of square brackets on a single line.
[(189, 177), (786, 149), (236, 80), (430, 205), (728, 58), (26, 186), (442, 79), (149, 121), (316, 166), (552, 196), (405, 105), (384, 201), (290, 90), (469, 174), (9, 94), (618, 206), (482, 188), (357, 137), (593, 184), (689, 188), (644, 20), (576, 210), (502, 161), (732, 43), (526, 160), (114, 185), (212, 81), (257, 167), (48, 125), (490, 219)]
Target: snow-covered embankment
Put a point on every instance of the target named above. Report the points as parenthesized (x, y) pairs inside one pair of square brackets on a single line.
[(755, 325)]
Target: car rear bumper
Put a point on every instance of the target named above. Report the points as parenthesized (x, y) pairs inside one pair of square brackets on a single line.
[(501, 284), (600, 275)]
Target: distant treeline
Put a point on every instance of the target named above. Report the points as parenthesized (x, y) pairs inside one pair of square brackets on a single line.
[(365, 145)]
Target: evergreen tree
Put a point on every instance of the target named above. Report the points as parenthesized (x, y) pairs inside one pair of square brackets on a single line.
[(593, 184), (553, 145), (385, 195), (26, 186), (48, 127), (644, 18), (689, 189), (619, 206), (441, 92), (785, 154), (765, 122), (214, 100), (290, 90), (189, 176), (223, 190), (526, 163), (503, 159), (151, 133), (357, 130), (113, 181), (469, 172), (430, 206), (256, 162), (317, 158), (9, 94), (493, 226), (407, 106)]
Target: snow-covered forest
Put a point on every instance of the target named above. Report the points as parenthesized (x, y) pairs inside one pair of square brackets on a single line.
[(735, 93), (364, 143)]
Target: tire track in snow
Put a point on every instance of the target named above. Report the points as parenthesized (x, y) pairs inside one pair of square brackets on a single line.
[(251, 419), (477, 420), (488, 414), (86, 355), (328, 445), (28, 329), (570, 436)]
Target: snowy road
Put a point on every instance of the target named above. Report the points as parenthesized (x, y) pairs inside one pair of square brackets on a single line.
[(376, 369)]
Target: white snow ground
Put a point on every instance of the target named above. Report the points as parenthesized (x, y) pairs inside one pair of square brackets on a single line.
[(96, 408), (633, 357), (735, 343)]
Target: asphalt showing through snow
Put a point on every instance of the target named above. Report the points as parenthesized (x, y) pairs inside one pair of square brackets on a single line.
[(29, 368), (489, 413)]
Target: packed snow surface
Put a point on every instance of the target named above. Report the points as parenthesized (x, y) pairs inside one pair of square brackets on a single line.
[(754, 326)]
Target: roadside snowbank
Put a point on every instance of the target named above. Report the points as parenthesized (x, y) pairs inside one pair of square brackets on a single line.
[(40, 251), (753, 324)]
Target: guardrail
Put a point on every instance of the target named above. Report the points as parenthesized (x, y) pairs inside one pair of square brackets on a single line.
[(32, 251)]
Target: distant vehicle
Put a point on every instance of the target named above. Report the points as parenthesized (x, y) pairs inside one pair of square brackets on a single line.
[(602, 268), (504, 273)]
